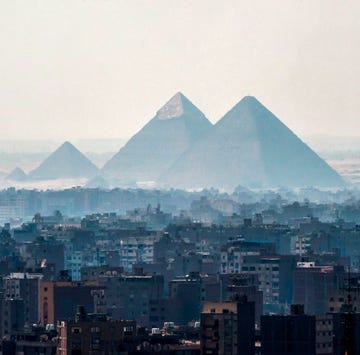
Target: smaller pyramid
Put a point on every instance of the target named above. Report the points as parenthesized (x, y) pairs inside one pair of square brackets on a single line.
[(16, 174), (65, 162)]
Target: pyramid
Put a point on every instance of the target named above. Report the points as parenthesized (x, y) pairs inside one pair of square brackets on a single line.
[(16, 174), (251, 147), (66, 162), (175, 127)]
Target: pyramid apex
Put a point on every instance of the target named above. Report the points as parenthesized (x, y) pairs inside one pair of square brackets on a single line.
[(173, 108), (248, 103), (249, 99), (67, 144)]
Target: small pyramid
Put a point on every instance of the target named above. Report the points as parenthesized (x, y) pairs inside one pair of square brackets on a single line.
[(251, 147), (175, 127), (65, 162), (16, 174)]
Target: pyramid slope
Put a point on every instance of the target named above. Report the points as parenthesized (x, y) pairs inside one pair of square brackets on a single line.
[(65, 162), (16, 174), (250, 146), (176, 126)]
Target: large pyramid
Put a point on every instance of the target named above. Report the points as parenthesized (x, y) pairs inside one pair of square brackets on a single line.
[(249, 146), (66, 162), (176, 126)]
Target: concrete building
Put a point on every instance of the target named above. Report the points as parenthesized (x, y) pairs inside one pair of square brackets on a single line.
[(11, 317), (232, 254), (58, 300), (313, 286), (49, 250), (135, 250), (94, 334), (191, 292), (74, 262), (243, 284), (296, 333), (275, 277), (228, 328), (293, 334), (128, 296), (300, 245), (324, 334), (25, 287), (346, 330)]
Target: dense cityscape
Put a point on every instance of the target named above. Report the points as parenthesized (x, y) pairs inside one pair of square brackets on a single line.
[(175, 272), (179, 177)]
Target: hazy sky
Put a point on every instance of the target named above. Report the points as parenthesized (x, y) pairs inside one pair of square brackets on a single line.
[(97, 69)]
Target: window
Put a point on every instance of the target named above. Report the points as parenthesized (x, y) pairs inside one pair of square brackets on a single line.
[(76, 330)]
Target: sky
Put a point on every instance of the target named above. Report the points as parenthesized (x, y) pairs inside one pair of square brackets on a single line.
[(72, 69)]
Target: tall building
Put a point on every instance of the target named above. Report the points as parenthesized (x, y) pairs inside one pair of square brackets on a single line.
[(94, 334), (324, 334), (275, 277), (243, 284), (128, 296), (58, 300), (25, 287), (346, 330), (48, 249), (190, 292), (296, 334), (314, 284), (228, 327), (134, 250), (232, 254), (11, 317)]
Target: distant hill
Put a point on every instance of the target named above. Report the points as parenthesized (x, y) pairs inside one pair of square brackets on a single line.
[(65, 162), (251, 147), (176, 126)]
